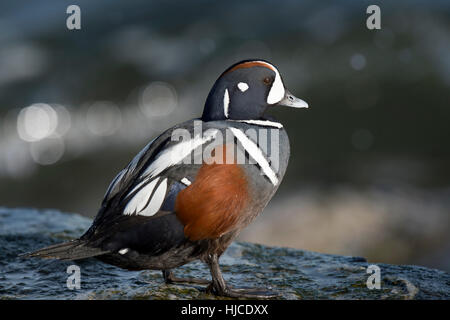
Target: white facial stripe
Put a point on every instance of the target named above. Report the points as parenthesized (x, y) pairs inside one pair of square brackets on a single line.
[(186, 181), (256, 153), (177, 153), (226, 103), (265, 123), (242, 86), (140, 199), (124, 250), (156, 201), (277, 91)]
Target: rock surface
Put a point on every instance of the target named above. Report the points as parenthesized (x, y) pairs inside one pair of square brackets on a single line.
[(294, 274)]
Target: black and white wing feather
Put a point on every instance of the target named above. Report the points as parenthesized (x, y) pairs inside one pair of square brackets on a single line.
[(148, 185)]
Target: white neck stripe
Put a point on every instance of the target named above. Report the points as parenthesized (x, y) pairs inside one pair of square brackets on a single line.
[(265, 123), (255, 152)]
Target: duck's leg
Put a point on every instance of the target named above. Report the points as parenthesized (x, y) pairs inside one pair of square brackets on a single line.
[(170, 278), (219, 287)]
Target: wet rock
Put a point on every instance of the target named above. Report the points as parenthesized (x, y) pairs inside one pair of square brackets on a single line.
[(294, 274)]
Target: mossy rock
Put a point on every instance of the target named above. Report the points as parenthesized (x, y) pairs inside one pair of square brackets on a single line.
[(294, 274)]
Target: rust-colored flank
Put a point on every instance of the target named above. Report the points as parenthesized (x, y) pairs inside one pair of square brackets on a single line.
[(212, 204)]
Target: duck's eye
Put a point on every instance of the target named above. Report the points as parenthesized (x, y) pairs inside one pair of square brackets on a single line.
[(267, 80)]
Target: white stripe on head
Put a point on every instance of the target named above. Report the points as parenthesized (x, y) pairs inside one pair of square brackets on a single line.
[(255, 152), (277, 91), (124, 250), (226, 103), (242, 86)]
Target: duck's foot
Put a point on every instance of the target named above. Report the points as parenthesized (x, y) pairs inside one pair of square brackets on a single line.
[(219, 287), (170, 278)]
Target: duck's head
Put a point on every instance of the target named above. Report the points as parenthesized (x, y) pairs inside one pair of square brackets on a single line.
[(246, 90)]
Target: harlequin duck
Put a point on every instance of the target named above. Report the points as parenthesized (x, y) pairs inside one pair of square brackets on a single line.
[(192, 189)]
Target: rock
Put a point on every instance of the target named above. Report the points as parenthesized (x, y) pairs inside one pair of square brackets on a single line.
[(294, 274)]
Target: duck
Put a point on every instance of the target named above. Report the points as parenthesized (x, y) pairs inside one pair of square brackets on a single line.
[(191, 191)]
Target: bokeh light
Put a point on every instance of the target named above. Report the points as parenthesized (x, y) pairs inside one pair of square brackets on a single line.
[(47, 151), (36, 122), (64, 119), (358, 61), (103, 118)]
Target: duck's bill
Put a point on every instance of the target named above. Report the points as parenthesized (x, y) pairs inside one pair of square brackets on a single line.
[(292, 101)]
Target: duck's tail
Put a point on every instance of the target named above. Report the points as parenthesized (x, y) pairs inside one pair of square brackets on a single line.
[(71, 250)]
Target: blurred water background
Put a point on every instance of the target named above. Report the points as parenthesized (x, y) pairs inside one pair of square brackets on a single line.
[(369, 170)]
